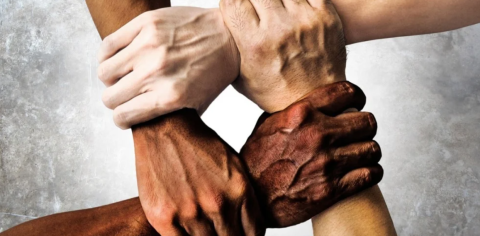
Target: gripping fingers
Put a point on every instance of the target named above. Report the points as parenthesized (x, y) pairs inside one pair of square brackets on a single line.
[(359, 179), (357, 155), (240, 17), (335, 98), (251, 216), (354, 127), (141, 109), (124, 90), (121, 38), (116, 67), (199, 227)]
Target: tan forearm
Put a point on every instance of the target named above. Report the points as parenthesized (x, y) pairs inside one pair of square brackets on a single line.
[(365, 20)]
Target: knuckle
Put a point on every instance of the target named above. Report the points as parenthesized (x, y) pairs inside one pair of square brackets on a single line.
[(173, 100), (299, 111), (165, 216), (190, 211), (161, 61), (375, 147), (366, 176), (107, 99), (108, 43), (161, 215), (102, 73), (374, 150), (152, 37), (239, 186), (372, 121), (147, 17), (348, 87), (120, 118), (217, 205)]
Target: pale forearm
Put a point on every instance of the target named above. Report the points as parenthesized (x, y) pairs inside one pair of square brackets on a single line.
[(375, 19), (364, 214)]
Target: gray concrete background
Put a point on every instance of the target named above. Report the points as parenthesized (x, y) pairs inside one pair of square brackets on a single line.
[(60, 151)]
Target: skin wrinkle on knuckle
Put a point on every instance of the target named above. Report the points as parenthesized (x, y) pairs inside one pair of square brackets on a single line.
[(107, 99), (189, 211), (348, 87), (120, 118), (372, 121), (102, 72), (107, 45)]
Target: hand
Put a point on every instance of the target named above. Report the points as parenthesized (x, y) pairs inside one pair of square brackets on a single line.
[(308, 157), (190, 181), (165, 60), (285, 47)]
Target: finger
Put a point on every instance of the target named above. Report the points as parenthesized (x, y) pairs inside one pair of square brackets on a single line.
[(199, 227), (353, 127), (116, 67), (173, 231), (169, 229), (240, 17), (251, 217), (141, 109), (359, 179), (295, 5), (335, 98), (319, 4), (227, 223), (124, 90), (121, 38), (268, 8), (357, 155)]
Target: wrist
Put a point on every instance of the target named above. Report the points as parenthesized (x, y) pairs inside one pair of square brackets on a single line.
[(232, 53), (284, 97), (127, 217)]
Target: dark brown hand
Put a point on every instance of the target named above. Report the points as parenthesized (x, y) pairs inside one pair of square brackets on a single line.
[(306, 158)]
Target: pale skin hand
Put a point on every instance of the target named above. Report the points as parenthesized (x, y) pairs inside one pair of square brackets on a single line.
[(249, 23), (208, 173), (186, 69), (166, 63)]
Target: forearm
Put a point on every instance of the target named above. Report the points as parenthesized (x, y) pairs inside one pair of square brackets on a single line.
[(124, 218), (110, 15), (375, 19), (364, 214)]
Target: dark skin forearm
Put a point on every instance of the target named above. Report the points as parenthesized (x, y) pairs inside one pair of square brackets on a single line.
[(111, 15), (124, 218)]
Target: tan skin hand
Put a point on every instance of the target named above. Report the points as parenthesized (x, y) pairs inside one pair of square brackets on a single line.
[(306, 49), (244, 17)]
